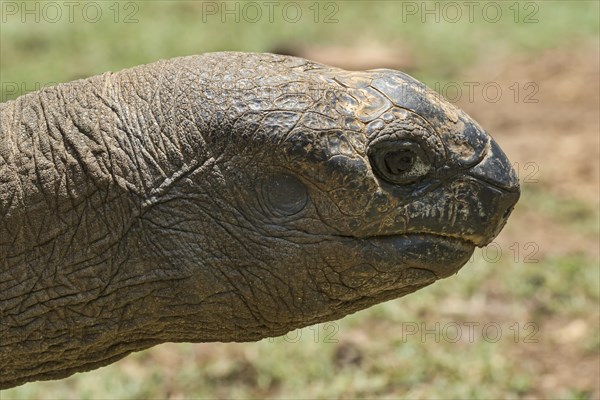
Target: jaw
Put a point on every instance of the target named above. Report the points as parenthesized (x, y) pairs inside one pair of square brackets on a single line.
[(378, 268), (431, 254), (367, 271)]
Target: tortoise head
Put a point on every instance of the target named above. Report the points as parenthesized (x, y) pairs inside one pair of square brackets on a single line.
[(187, 211), (334, 190), (362, 188)]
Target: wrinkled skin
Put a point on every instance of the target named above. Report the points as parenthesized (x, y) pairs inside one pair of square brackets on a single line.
[(227, 197)]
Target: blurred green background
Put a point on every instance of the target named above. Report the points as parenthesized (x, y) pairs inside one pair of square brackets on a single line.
[(111, 35), (538, 284)]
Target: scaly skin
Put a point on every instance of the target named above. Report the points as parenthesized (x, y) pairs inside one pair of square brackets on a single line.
[(227, 197)]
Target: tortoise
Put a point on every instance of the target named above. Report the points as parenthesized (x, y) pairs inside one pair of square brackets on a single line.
[(228, 197)]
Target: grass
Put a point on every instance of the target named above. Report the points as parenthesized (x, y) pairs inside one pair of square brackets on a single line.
[(574, 213), (37, 54)]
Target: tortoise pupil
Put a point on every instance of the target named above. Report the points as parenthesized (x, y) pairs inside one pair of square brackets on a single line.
[(399, 162)]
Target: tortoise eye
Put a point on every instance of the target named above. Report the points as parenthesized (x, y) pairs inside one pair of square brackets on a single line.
[(399, 162)]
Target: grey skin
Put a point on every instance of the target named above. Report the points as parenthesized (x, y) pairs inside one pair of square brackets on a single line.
[(227, 197)]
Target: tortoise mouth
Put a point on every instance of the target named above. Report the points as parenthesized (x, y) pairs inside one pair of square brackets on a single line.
[(464, 239), (443, 255), (444, 239), (430, 236)]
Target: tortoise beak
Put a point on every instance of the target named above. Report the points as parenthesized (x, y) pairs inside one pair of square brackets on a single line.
[(500, 179), (495, 169)]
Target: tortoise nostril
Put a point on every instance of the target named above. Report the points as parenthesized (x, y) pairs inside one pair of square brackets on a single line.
[(507, 212), (495, 169)]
